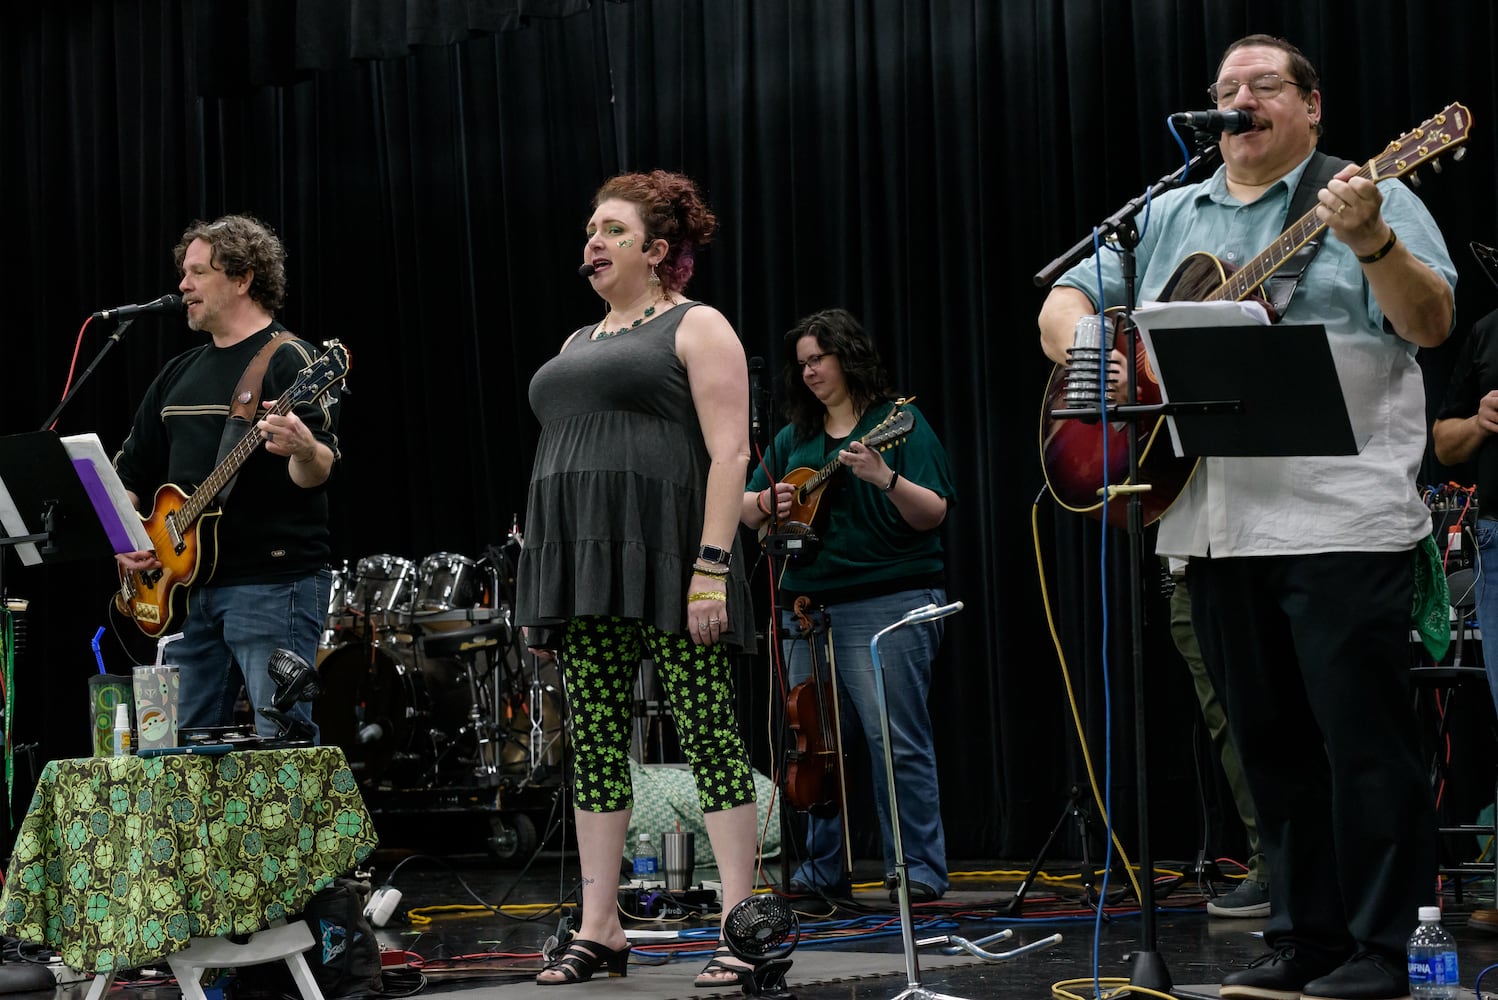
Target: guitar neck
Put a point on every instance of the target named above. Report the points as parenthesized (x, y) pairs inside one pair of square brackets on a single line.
[(1254, 273), (225, 470)]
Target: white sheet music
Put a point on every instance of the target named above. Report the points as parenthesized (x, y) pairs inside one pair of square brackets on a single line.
[(88, 447), (1174, 315)]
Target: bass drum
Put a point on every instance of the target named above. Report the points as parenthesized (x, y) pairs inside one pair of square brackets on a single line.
[(395, 720)]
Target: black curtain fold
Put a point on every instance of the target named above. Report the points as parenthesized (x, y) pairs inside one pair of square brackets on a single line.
[(430, 165)]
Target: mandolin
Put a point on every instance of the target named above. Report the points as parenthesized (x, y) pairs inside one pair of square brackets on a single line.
[(811, 484)]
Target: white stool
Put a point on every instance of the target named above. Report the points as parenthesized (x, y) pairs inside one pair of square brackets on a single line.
[(285, 941)]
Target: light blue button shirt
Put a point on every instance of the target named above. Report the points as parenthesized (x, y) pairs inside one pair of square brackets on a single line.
[(1267, 506)]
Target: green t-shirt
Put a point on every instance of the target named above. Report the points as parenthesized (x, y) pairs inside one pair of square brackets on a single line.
[(864, 539)]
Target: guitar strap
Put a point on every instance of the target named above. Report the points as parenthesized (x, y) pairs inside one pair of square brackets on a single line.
[(244, 404), (1279, 288)]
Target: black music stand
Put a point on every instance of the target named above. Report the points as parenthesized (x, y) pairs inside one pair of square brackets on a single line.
[(49, 510), (42, 506), (1232, 403)]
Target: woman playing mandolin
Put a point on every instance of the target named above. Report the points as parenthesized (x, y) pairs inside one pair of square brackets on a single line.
[(869, 477)]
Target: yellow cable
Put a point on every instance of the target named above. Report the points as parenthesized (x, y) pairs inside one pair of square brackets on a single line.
[(424, 915), (1071, 698), (1059, 991)]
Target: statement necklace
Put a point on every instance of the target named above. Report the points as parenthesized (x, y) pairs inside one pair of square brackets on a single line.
[(601, 333)]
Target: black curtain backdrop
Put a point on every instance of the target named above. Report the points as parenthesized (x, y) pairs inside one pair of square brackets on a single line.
[(429, 165)]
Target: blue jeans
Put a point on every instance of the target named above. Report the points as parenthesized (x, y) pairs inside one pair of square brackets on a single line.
[(905, 660), (1487, 598), (244, 624)]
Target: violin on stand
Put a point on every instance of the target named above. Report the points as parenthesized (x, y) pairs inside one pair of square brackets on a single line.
[(814, 776)]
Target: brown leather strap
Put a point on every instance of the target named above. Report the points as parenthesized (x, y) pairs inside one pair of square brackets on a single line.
[(246, 399)]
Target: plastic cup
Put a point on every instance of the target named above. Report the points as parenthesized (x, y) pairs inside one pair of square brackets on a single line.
[(105, 691), (156, 706)]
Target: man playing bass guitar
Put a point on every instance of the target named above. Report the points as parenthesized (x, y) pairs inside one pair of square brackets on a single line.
[(1302, 569), (264, 584), (880, 555)]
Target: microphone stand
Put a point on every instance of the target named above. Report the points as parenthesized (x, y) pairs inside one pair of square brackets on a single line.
[(1149, 969), (114, 338)]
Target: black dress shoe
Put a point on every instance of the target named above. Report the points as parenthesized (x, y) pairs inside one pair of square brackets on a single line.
[(920, 892), (1278, 975), (1367, 975)]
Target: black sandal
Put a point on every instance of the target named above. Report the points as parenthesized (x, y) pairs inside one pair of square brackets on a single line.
[(582, 959), (743, 975)]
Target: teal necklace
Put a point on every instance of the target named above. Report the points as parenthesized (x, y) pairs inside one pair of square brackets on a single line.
[(601, 333)]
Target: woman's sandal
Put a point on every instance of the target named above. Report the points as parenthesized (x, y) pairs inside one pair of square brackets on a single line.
[(582, 959), (717, 972)]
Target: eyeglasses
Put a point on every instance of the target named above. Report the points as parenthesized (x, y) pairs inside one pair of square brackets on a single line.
[(815, 361), (1264, 87)]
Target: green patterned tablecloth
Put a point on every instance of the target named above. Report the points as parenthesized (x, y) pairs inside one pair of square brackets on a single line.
[(120, 860)]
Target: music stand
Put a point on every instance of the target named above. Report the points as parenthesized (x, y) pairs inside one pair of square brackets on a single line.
[(1265, 366), (45, 515)]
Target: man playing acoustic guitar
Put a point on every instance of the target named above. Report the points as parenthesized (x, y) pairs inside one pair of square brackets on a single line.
[(1302, 569), (265, 583)]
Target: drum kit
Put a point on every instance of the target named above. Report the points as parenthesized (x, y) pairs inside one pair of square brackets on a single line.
[(425, 683)]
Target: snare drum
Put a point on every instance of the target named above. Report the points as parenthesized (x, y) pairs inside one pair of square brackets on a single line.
[(382, 584)]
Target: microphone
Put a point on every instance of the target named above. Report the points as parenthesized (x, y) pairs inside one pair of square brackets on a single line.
[(1215, 121), (167, 303), (1084, 370), (756, 369), (586, 271)]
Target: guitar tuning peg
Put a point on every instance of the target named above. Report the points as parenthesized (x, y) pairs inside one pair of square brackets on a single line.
[(1460, 154), (1435, 165), (1414, 179)]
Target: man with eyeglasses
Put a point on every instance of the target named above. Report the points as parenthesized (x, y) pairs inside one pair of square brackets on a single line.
[(1302, 569)]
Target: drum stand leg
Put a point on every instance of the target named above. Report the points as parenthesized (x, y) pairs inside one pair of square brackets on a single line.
[(486, 762), (913, 986)]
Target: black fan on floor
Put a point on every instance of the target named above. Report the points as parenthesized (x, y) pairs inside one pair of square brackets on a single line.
[(762, 930)]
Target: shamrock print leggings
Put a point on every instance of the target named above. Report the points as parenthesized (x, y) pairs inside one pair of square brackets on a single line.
[(599, 657)]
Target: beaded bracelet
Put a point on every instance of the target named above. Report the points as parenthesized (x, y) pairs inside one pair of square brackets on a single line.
[(711, 574), (1382, 251), (707, 595), (759, 502)]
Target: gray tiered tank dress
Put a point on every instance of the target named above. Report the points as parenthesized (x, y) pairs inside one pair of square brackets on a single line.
[(617, 494)]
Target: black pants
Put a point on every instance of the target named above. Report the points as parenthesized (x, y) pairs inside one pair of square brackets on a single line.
[(1311, 657)]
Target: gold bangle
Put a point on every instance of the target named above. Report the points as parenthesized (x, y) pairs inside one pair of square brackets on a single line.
[(711, 574), (1382, 251), (706, 595)]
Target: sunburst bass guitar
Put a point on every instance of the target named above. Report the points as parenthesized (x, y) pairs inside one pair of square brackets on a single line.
[(184, 528), (1072, 451), (811, 484)]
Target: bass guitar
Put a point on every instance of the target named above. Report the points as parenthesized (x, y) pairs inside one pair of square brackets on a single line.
[(811, 484), (1072, 451), (183, 528)]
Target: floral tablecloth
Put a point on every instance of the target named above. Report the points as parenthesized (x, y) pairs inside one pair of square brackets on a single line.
[(120, 860)]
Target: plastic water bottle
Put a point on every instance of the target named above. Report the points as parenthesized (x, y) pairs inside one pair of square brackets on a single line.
[(646, 863), (1432, 959)]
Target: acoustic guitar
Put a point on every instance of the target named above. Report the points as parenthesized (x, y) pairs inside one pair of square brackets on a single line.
[(1072, 450), (811, 484), (184, 529)]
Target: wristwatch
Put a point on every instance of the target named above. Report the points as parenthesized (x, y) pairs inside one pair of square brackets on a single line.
[(713, 554)]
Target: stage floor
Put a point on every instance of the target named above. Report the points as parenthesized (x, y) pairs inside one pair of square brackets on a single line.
[(851, 951)]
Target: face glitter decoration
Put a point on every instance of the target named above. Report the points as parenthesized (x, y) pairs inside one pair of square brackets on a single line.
[(626, 243)]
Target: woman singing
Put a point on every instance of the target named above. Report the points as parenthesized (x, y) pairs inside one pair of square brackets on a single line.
[(630, 547)]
